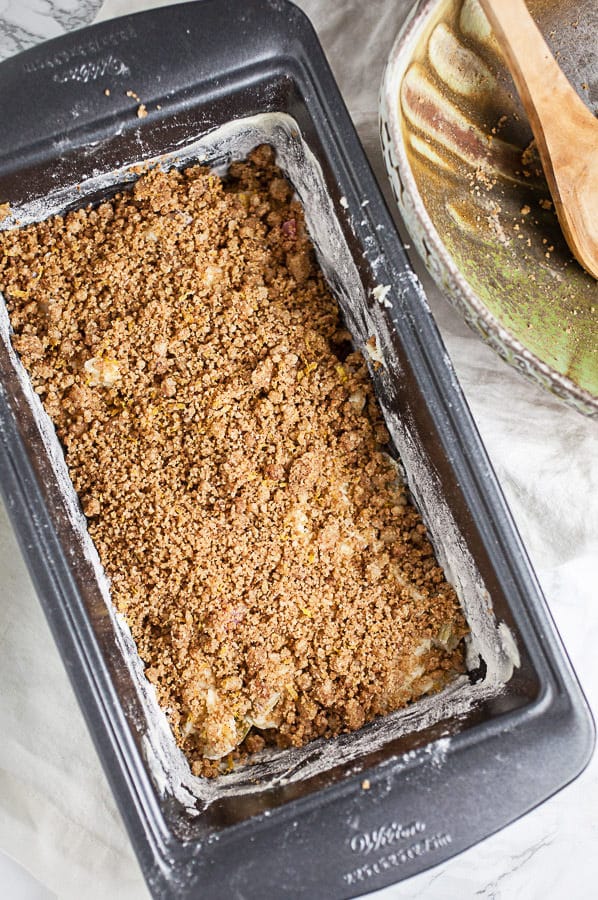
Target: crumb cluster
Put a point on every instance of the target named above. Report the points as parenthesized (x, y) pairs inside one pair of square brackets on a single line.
[(230, 457)]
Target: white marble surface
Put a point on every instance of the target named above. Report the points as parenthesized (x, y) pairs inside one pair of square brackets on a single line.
[(58, 818), (27, 22)]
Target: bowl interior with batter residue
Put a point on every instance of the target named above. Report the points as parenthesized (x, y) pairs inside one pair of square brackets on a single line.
[(468, 179)]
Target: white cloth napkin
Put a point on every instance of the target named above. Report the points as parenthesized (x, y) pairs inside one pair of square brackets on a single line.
[(57, 814)]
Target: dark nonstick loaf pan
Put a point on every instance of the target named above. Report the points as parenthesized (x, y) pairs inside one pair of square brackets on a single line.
[(338, 818)]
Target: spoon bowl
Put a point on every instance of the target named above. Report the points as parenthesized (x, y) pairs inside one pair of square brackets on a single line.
[(565, 131)]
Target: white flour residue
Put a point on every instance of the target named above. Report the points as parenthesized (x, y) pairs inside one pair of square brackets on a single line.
[(166, 763), (437, 751), (381, 292)]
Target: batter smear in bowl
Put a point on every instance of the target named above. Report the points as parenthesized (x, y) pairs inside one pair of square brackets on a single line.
[(232, 461)]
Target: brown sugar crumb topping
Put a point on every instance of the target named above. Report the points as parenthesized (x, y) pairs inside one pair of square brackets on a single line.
[(229, 454)]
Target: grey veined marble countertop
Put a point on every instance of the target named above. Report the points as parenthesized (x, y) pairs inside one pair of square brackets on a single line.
[(27, 22), (57, 816)]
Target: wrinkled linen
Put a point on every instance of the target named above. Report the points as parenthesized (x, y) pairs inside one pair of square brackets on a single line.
[(57, 815)]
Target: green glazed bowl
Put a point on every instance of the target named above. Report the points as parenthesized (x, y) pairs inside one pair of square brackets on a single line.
[(467, 178)]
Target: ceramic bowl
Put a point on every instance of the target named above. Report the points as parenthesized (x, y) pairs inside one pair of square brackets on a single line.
[(466, 175)]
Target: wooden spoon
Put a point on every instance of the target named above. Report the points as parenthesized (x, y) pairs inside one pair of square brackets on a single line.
[(565, 130)]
